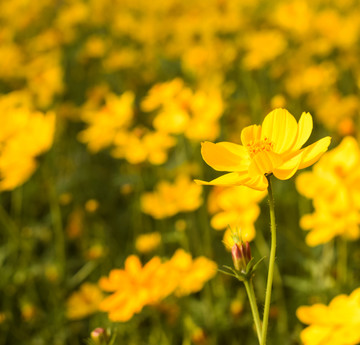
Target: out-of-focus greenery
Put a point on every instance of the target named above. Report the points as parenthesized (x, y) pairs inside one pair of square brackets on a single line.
[(103, 107)]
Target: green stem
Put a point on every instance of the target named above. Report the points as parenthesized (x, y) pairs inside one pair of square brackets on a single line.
[(251, 295), (271, 264)]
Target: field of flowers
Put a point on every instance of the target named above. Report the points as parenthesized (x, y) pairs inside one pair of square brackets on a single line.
[(115, 114)]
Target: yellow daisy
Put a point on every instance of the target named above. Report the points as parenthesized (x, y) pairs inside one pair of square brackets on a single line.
[(272, 148)]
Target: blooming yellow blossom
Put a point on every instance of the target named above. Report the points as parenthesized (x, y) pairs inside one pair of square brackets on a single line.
[(147, 242), (134, 287), (336, 324), (24, 134), (169, 199), (137, 286), (257, 45), (181, 110), (114, 117), (192, 274), (273, 148), (235, 207), (84, 302), (334, 186)]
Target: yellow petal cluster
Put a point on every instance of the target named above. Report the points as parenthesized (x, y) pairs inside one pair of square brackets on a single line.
[(24, 134), (181, 110), (84, 302), (334, 187), (272, 148), (235, 208), (257, 48), (169, 199), (116, 119), (335, 324), (146, 243), (136, 286), (113, 118)]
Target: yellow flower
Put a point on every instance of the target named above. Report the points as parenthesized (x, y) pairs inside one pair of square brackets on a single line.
[(137, 286), (257, 45), (192, 274), (169, 199), (235, 207), (336, 324), (24, 134), (134, 287), (84, 302), (272, 148), (113, 118), (334, 186), (148, 242)]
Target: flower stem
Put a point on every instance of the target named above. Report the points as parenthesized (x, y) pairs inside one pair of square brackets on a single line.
[(251, 295), (271, 263)]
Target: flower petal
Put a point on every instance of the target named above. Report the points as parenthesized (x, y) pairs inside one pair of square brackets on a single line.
[(316, 334), (231, 179), (313, 152), (281, 128), (289, 168), (264, 163), (250, 134), (305, 127), (238, 179), (225, 156)]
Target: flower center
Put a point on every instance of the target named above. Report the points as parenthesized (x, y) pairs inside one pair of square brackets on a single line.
[(259, 146)]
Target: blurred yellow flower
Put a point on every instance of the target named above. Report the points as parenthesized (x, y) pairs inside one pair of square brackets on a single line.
[(137, 286), (337, 113), (113, 118), (235, 207), (192, 274), (334, 186), (169, 199), (181, 110), (336, 324), (257, 46), (134, 287), (84, 302), (273, 148), (91, 205), (24, 134), (146, 243)]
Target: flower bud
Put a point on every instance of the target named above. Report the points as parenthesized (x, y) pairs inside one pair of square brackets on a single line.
[(99, 336), (236, 256), (241, 255)]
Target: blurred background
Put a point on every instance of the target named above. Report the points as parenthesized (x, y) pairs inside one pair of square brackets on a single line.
[(103, 107)]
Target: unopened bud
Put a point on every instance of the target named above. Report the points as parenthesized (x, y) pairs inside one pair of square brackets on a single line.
[(99, 336), (236, 256), (241, 255)]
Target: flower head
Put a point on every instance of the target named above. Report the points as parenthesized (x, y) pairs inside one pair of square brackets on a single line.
[(272, 148), (337, 323)]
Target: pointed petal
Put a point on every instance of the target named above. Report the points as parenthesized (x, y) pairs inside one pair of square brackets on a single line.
[(264, 163), (281, 128), (231, 179), (238, 179), (250, 134), (304, 131), (225, 156), (312, 314), (313, 152), (289, 168), (258, 183)]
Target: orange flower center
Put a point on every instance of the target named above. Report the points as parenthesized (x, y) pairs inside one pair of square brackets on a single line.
[(259, 146)]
